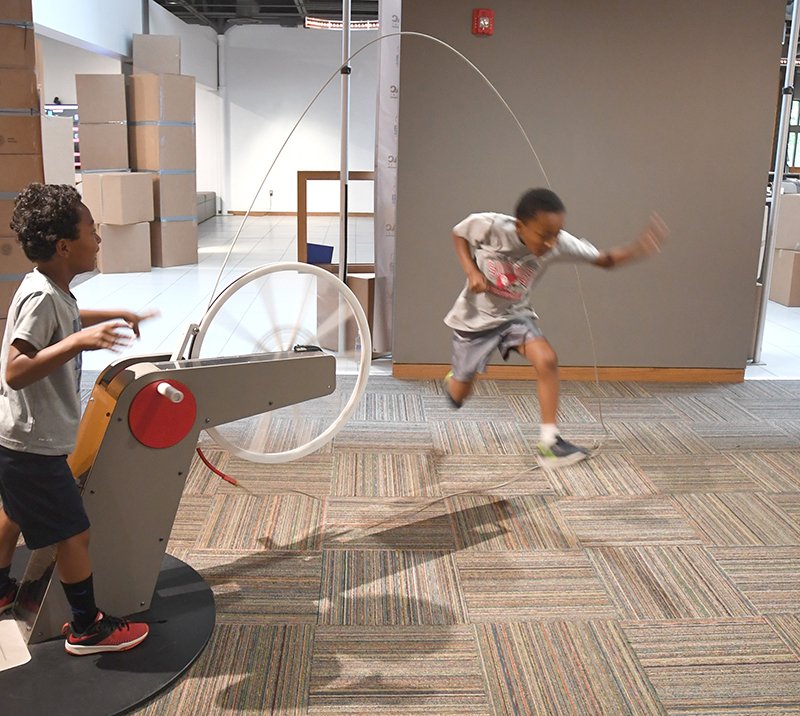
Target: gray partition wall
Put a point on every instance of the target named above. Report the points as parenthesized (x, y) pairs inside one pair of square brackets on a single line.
[(633, 106)]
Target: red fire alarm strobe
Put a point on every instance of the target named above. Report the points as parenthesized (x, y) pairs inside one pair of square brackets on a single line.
[(482, 21)]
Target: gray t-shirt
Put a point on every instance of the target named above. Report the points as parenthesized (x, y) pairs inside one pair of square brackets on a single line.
[(42, 417), (511, 268)]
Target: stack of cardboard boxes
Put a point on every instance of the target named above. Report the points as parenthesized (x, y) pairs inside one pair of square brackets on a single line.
[(102, 123), (161, 121), (785, 284), (20, 136), (122, 207)]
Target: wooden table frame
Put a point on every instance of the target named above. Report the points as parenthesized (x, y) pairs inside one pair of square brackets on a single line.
[(303, 177)]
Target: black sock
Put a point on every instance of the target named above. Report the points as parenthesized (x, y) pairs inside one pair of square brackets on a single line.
[(5, 578), (81, 600)]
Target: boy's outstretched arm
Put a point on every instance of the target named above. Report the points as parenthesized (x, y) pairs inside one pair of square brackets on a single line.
[(646, 244), (478, 283), (91, 317), (26, 365)]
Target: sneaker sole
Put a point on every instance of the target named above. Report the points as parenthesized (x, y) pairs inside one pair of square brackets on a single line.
[(553, 463), (78, 650)]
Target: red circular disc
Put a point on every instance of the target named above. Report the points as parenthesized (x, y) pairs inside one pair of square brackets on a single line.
[(156, 421)]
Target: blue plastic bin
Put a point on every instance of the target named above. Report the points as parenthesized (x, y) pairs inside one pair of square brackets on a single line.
[(319, 253)]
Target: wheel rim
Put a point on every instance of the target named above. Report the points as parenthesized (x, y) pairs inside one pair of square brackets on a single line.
[(282, 297)]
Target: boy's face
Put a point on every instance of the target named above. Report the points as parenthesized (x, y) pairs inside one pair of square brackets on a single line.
[(539, 234), (81, 254)]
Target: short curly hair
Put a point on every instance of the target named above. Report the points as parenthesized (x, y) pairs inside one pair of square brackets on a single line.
[(43, 214), (535, 200)]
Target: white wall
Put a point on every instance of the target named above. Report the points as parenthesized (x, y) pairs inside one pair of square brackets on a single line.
[(103, 26), (270, 76), (62, 62), (198, 44), (210, 144)]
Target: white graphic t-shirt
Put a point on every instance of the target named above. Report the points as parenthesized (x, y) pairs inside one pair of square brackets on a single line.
[(511, 268)]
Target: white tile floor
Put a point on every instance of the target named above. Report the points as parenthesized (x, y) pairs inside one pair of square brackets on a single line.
[(182, 293)]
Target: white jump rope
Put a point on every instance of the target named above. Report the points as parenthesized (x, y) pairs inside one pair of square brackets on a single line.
[(491, 488)]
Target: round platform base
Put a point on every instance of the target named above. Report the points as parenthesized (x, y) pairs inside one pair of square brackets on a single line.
[(181, 618)]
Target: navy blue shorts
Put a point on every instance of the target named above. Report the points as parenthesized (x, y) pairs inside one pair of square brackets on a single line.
[(40, 494)]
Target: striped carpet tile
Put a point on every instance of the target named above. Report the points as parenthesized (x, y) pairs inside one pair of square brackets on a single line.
[(518, 523), (282, 522), (391, 407), (704, 408), (390, 588), (525, 409), (633, 409), (756, 436), (487, 473), (774, 471), (659, 438), (564, 669), (475, 408), (405, 671), (311, 474), (245, 669), (262, 587), (201, 480), (694, 473), (605, 474), (731, 519), (606, 389), (480, 388), (675, 582), (787, 626), (627, 520), (768, 576), (368, 523), (776, 408), (191, 516), (548, 584), (382, 474), (268, 433), (389, 384), (480, 438), (789, 503), (729, 666), (765, 390), (365, 436)]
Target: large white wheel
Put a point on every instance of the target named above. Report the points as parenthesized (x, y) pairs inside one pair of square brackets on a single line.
[(273, 309)]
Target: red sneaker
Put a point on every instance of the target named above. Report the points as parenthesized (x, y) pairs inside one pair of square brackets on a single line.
[(106, 633), (8, 598)]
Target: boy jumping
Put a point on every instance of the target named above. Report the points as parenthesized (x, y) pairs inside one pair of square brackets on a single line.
[(503, 257), (40, 365)]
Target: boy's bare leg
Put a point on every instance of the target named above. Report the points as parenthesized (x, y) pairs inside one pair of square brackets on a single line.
[(541, 356), (72, 558), (459, 389), (9, 534)]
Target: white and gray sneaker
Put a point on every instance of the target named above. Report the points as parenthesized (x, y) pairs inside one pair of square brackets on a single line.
[(560, 454)]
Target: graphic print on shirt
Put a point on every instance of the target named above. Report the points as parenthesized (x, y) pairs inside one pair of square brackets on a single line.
[(509, 279)]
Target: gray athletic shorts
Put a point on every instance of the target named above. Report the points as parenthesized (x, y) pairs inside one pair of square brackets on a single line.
[(471, 351)]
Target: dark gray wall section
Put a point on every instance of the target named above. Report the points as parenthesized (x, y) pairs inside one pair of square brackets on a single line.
[(632, 106)]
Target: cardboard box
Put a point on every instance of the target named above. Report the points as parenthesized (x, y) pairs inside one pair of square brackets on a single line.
[(58, 150), (6, 210), (162, 147), (175, 195), (119, 198), (124, 249), (161, 98), (103, 147), (20, 134), (787, 228), (8, 287), (785, 284), (173, 243), (18, 89), (363, 286), (12, 258), (17, 48), (19, 170), (19, 10), (101, 98), (157, 54)]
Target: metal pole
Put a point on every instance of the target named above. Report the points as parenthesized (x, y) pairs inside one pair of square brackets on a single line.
[(345, 141), (777, 178)]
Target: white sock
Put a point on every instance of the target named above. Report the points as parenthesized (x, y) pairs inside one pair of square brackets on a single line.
[(548, 432)]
